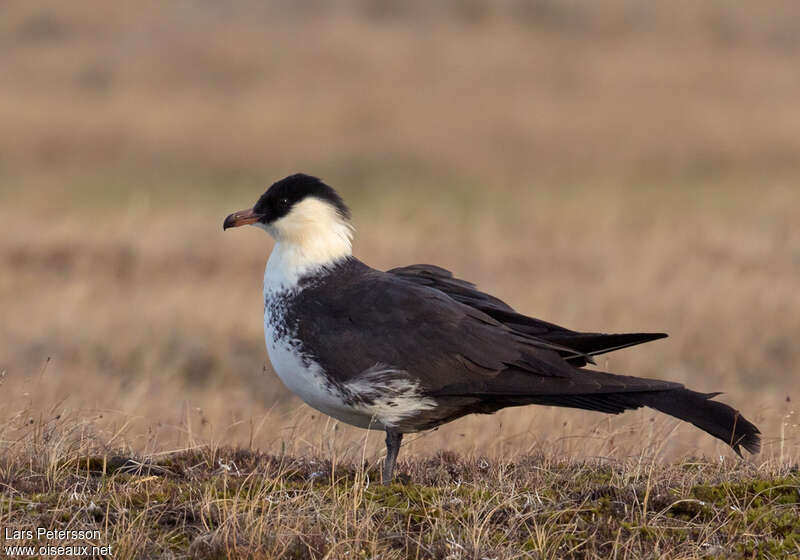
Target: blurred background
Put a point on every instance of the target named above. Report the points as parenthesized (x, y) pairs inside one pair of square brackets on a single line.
[(614, 166)]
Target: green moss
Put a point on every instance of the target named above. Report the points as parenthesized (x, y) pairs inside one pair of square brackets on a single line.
[(411, 501), (12, 504), (692, 510), (753, 493), (418, 503), (179, 542), (414, 494), (594, 477), (769, 548), (774, 521)]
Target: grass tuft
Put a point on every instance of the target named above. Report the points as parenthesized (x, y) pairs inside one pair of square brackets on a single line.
[(230, 502)]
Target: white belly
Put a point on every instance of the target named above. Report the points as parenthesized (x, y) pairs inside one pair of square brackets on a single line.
[(307, 380)]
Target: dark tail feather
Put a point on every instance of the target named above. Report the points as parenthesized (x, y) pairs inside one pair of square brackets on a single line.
[(716, 418)]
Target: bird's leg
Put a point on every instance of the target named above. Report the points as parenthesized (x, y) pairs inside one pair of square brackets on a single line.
[(393, 439)]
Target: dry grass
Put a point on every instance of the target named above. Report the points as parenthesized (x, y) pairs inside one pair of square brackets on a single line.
[(224, 503), (607, 167)]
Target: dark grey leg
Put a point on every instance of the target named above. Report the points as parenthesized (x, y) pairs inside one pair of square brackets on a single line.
[(393, 439)]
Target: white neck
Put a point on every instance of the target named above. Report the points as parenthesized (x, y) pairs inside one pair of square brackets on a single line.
[(313, 236)]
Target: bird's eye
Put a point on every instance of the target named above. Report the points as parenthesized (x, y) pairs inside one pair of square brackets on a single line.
[(283, 202)]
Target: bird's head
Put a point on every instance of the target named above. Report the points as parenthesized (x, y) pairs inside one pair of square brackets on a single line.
[(304, 213)]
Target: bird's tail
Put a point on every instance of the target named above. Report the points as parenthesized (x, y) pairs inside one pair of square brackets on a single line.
[(716, 418)]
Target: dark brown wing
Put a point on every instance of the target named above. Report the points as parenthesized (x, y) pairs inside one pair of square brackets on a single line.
[(581, 343), (365, 316)]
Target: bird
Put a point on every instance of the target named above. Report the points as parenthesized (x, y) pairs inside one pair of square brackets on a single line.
[(411, 348)]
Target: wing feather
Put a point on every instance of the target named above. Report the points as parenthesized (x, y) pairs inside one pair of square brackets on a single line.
[(576, 347)]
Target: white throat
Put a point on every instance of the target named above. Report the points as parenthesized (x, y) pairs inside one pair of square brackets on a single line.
[(311, 237)]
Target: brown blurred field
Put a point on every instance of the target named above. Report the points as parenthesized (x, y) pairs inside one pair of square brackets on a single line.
[(615, 166)]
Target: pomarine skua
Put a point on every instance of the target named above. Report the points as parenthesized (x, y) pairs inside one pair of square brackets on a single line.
[(412, 348)]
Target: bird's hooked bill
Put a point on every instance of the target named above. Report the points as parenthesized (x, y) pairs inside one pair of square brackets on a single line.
[(240, 218)]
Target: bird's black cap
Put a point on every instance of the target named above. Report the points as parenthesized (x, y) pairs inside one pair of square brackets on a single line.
[(284, 194), (279, 199)]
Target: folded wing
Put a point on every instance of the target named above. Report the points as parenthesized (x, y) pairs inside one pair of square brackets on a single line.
[(583, 345)]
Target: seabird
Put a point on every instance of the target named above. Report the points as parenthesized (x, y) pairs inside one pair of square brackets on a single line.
[(414, 347)]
